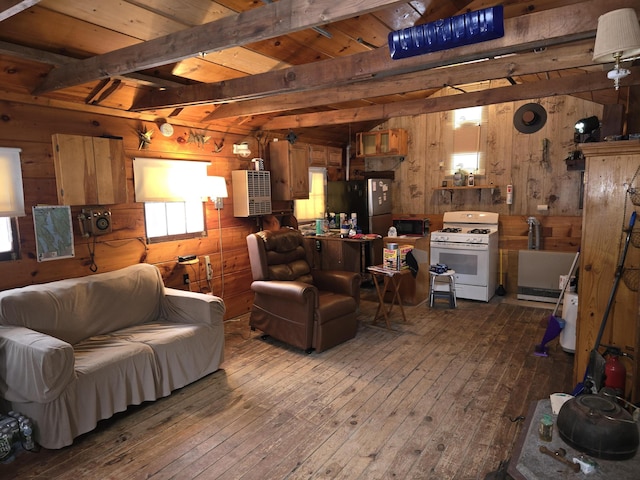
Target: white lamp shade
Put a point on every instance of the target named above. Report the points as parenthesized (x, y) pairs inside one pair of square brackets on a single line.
[(618, 32), (217, 187)]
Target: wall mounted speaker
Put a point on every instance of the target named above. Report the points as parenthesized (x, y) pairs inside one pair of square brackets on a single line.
[(95, 221)]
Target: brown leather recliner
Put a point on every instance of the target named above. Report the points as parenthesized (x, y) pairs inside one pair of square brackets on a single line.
[(305, 308)]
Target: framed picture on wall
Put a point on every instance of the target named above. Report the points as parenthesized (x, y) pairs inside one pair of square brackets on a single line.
[(54, 232)]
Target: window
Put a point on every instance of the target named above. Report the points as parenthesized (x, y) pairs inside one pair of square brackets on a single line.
[(174, 220), (313, 207), (9, 244), (173, 192), (11, 202), (466, 139)]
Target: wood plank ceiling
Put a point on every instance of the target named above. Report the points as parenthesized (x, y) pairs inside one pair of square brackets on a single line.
[(321, 67)]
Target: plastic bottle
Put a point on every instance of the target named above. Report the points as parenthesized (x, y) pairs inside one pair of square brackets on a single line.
[(471, 180), (392, 232)]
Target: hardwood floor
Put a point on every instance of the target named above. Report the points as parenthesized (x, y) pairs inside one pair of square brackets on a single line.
[(432, 399)]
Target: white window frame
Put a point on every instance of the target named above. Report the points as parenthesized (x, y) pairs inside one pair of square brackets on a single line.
[(165, 221), (467, 155), (9, 240), (173, 192), (307, 210)]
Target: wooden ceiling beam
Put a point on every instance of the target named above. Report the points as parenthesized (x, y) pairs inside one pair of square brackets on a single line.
[(50, 58), (254, 25), (543, 88), (566, 56), (537, 30), (9, 8)]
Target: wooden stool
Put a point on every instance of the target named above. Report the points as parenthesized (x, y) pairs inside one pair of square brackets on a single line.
[(437, 279)]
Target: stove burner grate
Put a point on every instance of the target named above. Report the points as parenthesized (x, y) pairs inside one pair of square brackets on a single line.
[(451, 230), (482, 231)]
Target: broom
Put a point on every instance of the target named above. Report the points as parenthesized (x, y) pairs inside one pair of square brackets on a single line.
[(554, 324), (501, 290)]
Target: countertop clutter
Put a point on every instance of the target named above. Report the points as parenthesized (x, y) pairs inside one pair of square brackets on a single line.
[(528, 462)]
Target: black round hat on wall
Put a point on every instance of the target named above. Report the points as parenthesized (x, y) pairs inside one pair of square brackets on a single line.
[(530, 118)]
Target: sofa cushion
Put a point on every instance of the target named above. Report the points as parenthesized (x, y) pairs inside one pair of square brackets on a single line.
[(79, 308), (183, 352), (112, 373)]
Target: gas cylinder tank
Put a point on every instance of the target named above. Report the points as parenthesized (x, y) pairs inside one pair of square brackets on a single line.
[(615, 374)]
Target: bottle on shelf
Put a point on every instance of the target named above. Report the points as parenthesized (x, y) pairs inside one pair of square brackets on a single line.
[(471, 181)]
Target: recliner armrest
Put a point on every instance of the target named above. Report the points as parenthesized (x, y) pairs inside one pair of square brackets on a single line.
[(336, 281), (287, 290)]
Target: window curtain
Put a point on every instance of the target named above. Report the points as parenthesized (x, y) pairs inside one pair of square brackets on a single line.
[(158, 180), (314, 206), (11, 190)]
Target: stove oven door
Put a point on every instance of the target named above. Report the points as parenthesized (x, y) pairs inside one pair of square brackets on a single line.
[(471, 263)]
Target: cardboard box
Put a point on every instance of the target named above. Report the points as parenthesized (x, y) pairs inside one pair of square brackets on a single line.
[(396, 258)]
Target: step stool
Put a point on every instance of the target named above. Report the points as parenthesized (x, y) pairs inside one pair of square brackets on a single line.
[(443, 285)]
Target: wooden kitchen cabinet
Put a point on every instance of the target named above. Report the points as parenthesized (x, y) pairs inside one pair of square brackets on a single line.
[(382, 143), (289, 170), (611, 167), (318, 154), (89, 170), (323, 156), (334, 157)]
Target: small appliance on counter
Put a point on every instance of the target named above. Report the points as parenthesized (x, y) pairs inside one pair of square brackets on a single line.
[(411, 225)]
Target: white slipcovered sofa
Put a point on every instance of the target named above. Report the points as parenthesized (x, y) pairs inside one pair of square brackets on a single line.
[(75, 351)]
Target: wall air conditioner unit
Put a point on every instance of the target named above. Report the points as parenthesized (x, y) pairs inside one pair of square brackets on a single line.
[(251, 192)]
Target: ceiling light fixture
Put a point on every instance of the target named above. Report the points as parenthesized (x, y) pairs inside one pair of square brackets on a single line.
[(618, 39), (242, 149)]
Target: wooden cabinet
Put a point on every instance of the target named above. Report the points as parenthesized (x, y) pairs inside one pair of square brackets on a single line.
[(323, 156), (318, 155), (382, 143), (334, 253), (334, 157), (611, 167), (289, 170), (89, 170)]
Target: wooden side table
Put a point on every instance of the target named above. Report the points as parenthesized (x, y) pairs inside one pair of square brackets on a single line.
[(387, 279)]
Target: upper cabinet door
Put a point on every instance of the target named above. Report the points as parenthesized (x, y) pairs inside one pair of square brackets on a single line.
[(382, 143), (89, 170), (289, 170)]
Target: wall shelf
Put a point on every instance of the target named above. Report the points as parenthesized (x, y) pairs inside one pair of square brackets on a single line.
[(479, 188)]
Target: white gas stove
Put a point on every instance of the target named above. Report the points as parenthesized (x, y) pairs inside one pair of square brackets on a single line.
[(468, 244)]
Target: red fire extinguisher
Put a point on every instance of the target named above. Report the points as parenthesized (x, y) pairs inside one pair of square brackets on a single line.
[(614, 370)]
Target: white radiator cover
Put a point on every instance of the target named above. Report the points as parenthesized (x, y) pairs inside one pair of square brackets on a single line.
[(539, 274), (251, 192)]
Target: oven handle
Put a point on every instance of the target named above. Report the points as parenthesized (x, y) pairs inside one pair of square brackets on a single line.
[(470, 247)]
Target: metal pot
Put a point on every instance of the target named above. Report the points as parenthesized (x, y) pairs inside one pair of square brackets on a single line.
[(598, 426)]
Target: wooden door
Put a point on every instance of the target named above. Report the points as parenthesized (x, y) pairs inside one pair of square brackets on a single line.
[(299, 171), (111, 177), (611, 167), (75, 170), (89, 170)]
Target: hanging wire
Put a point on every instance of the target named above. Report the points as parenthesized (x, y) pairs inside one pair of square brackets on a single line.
[(221, 256)]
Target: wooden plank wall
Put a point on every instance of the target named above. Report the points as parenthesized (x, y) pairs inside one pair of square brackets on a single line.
[(510, 157), (30, 127)]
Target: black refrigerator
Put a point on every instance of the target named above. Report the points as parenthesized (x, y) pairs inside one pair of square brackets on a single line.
[(370, 199)]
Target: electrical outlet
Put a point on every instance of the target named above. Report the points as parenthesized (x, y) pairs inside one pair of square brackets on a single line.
[(207, 267)]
